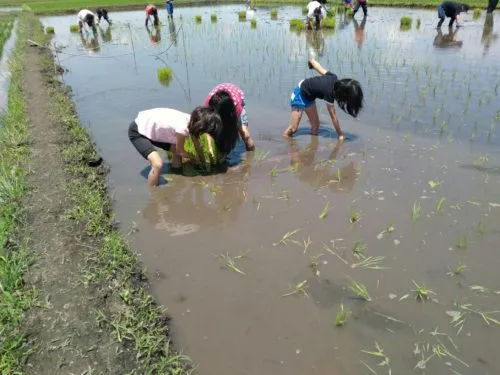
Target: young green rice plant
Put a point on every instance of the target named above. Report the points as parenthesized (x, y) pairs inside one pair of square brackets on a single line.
[(372, 263), (274, 14), (462, 242), (73, 28), (476, 13), (458, 270), (197, 19), (434, 184), (165, 75), (341, 316), (358, 249), (416, 211), (418, 23), (213, 17), (306, 243), (405, 23), (49, 30), (422, 293), (288, 238), (242, 15), (324, 212), (300, 288), (379, 354), (253, 23), (439, 205), (314, 263), (329, 23), (297, 24), (355, 217), (230, 262), (360, 290)]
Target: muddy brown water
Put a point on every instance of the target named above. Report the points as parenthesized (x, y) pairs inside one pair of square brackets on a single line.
[(430, 119)]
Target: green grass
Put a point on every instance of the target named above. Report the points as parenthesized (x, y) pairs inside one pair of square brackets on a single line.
[(242, 15), (73, 28), (165, 75), (49, 30), (14, 154), (297, 24), (213, 17), (274, 14)]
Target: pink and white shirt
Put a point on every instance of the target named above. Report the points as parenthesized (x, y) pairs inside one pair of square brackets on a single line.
[(163, 124), (234, 91)]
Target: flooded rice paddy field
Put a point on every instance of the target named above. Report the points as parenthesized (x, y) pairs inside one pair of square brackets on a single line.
[(398, 227)]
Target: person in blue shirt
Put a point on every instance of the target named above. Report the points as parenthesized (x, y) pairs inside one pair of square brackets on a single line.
[(452, 10), (170, 8)]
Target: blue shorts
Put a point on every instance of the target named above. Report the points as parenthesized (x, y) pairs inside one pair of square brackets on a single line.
[(297, 100)]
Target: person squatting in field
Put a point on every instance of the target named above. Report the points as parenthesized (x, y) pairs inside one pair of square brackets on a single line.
[(346, 92), (152, 11), (168, 129), (316, 11), (228, 100), (102, 13), (85, 16), (452, 10)]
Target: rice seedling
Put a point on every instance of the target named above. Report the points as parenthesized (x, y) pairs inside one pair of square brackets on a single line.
[(359, 248), (304, 11), (274, 14), (297, 24), (49, 30), (287, 238), (378, 353), (434, 184), (242, 15), (314, 263), (165, 75), (324, 212), (354, 217), (416, 211), (405, 22), (438, 350), (329, 23), (418, 23), (300, 288), (350, 12), (197, 19), (388, 230), (306, 243), (458, 270), (341, 316), (422, 292), (476, 13), (213, 17), (439, 205), (372, 263), (253, 23), (462, 242), (360, 290), (274, 172), (230, 262), (73, 28)]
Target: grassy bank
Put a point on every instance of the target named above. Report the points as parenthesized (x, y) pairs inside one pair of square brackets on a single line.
[(14, 153), (71, 6)]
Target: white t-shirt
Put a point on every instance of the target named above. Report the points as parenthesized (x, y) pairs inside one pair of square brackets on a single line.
[(83, 13), (163, 124), (314, 5)]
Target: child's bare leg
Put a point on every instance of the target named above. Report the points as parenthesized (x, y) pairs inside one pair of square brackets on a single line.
[(294, 122), (313, 64), (156, 165), (312, 115)]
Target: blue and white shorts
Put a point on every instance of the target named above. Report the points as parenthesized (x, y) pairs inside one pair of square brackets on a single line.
[(297, 100)]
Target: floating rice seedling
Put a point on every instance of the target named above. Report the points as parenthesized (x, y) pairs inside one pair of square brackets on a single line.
[(354, 217), (330, 250), (274, 14), (230, 262), (341, 316), (372, 262), (458, 270), (439, 205), (288, 238), (434, 184), (422, 292), (360, 290), (242, 15), (49, 30), (73, 28), (388, 230), (324, 212), (359, 248), (378, 353), (314, 263), (429, 352), (253, 23), (213, 17), (197, 19), (300, 288), (306, 243), (416, 211), (476, 13), (165, 75), (297, 24)]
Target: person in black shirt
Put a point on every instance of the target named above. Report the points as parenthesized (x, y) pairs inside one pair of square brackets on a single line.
[(452, 10), (347, 92), (492, 4), (102, 13)]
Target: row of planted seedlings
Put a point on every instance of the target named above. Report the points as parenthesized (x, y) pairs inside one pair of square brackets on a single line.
[(6, 25)]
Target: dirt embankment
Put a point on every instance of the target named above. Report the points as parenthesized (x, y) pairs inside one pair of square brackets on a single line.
[(94, 314)]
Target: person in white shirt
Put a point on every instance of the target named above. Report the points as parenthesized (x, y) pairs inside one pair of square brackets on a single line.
[(315, 11), (85, 16)]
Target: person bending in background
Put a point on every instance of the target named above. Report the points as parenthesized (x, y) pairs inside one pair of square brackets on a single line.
[(346, 92), (102, 13), (315, 11), (361, 4), (452, 10), (151, 11), (228, 100), (85, 16), (492, 4), (170, 8), (168, 129)]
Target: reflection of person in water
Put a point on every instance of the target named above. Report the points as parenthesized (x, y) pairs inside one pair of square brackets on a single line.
[(186, 206), (315, 41), (172, 33), (359, 31), (344, 20), (90, 41), (447, 40), (324, 173), (105, 34), (488, 37), (155, 36)]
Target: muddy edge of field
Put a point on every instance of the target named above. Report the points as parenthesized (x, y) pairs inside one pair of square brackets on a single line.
[(92, 312)]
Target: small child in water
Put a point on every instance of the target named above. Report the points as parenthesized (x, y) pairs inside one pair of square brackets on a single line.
[(347, 92)]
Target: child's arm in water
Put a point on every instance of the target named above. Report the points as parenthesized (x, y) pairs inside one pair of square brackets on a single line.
[(335, 121), (313, 64)]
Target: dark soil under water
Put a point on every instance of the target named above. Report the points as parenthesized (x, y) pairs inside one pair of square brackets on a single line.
[(421, 169)]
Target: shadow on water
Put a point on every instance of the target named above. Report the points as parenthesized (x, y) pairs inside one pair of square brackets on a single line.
[(488, 38), (448, 40)]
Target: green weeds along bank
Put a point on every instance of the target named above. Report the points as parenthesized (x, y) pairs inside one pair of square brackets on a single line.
[(14, 153)]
